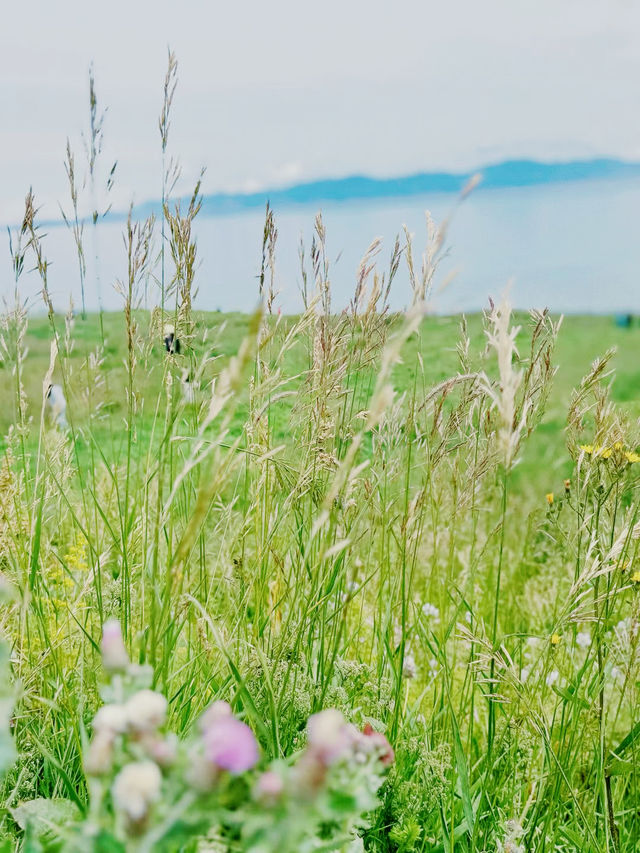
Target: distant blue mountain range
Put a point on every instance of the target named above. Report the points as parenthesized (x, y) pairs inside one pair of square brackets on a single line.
[(511, 173)]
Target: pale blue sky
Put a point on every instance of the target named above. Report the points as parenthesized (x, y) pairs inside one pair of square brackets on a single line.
[(280, 91)]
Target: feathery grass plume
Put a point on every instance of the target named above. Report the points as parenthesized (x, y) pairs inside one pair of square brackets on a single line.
[(269, 239), (99, 191), (75, 224), (501, 338), (183, 248), (170, 170)]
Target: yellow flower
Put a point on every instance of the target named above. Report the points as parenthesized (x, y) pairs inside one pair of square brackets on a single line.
[(604, 452), (587, 448), (555, 639), (635, 577), (618, 445), (549, 497), (631, 456)]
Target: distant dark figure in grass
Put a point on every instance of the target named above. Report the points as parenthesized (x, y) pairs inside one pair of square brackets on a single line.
[(171, 343), (57, 406), (188, 387), (624, 321)]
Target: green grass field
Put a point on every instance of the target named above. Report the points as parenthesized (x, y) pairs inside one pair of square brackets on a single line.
[(361, 512), (542, 467)]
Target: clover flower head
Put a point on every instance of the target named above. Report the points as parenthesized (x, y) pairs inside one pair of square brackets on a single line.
[(583, 639), (431, 612), (551, 679), (409, 668)]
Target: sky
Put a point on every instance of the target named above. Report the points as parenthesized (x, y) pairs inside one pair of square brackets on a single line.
[(273, 93)]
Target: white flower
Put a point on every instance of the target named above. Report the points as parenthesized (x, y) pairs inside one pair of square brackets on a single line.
[(553, 676), (136, 788), (99, 756), (409, 668), (431, 612), (111, 718), (583, 639), (146, 710)]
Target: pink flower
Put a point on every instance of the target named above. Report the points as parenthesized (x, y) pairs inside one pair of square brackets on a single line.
[(269, 787), (228, 743), (373, 740), (329, 735), (219, 710), (114, 653)]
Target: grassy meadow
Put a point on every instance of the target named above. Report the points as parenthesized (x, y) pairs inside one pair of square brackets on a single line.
[(300, 537), (341, 581)]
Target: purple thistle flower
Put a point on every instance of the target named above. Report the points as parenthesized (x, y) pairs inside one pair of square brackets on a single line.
[(230, 744)]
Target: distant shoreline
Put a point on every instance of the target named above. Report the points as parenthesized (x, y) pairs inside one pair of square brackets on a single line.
[(510, 174)]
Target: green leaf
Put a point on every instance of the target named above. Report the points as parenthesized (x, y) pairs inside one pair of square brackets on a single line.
[(463, 773), (45, 818), (342, 802)]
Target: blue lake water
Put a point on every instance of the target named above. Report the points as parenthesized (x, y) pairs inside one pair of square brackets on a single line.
[(573, 247)]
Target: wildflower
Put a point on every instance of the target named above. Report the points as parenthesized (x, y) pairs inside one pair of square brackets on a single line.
[(631, 457), (431, 612), (213, 713), (99, 757), (146, 710), (163, 750), (510, 846), (567, 486), (596, 452), (555, 639), (409, 668), (379, 743), (635, 577), (111, 718), (229, 744), (552, 677), (583, 639), (114, 653), (269, 787), (136, 788), (329, 735), (549, 498)]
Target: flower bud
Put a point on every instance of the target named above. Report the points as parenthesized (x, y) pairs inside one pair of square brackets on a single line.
[(114, 653)]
